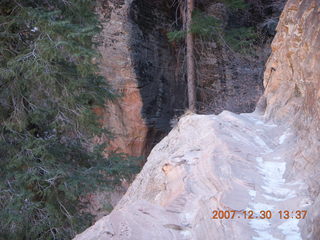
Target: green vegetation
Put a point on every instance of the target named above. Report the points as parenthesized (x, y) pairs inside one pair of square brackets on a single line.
[(202, 25), (235, 4), (241, 39), (176, 35), (48, 88)]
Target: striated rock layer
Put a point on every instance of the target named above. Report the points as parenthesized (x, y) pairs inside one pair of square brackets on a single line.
[(267, 160), (292, 95), (206, 163)]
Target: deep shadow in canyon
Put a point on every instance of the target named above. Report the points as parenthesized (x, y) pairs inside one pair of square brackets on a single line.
[(226, 79), (155, 63)]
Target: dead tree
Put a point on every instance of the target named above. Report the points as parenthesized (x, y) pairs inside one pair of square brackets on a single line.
[(190, 58)]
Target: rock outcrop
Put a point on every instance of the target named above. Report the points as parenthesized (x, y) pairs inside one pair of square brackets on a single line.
[(266, 160), (206, 163), (292, 95), (139, 63), (230, 77), (122, 117)]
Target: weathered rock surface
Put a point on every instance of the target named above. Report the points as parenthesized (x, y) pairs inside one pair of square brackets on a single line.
[(292, 95), (139, 63), (267, 160), (229, 79), (123, 117), (162, 92), (206, 163)]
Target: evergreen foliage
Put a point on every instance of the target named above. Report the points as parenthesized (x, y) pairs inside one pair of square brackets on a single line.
[(202, 25), (48, 88), (176, 35), (241, 39), (235, 4)]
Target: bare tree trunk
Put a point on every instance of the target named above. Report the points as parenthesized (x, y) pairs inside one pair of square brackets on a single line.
[(190, 59)]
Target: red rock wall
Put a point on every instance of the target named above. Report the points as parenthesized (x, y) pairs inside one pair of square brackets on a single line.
[(138, 61), (123, 117)]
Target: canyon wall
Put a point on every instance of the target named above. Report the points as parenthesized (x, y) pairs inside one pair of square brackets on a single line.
[(123, 116), (148, 70), (230, 78), (162, 90), (292, 95), (292, 72), (139, 63), (268, 159)]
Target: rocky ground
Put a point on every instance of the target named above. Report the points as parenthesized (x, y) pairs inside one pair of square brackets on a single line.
[(225, 162)]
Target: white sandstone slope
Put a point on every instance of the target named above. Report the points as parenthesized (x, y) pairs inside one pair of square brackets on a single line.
[(206, 163)]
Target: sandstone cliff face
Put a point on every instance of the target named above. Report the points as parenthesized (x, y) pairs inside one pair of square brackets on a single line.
[(141, 64), (207, 163), (292, 81), (123, 117), (138, 61), (267, 160), (230, 79), (162, 92), (292, 78)]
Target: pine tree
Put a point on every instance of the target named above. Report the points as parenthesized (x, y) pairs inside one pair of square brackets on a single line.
[(48, 88), (198, 24), (193, 24)]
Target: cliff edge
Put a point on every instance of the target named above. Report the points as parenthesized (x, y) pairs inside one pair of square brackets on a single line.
[(266, 160)]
